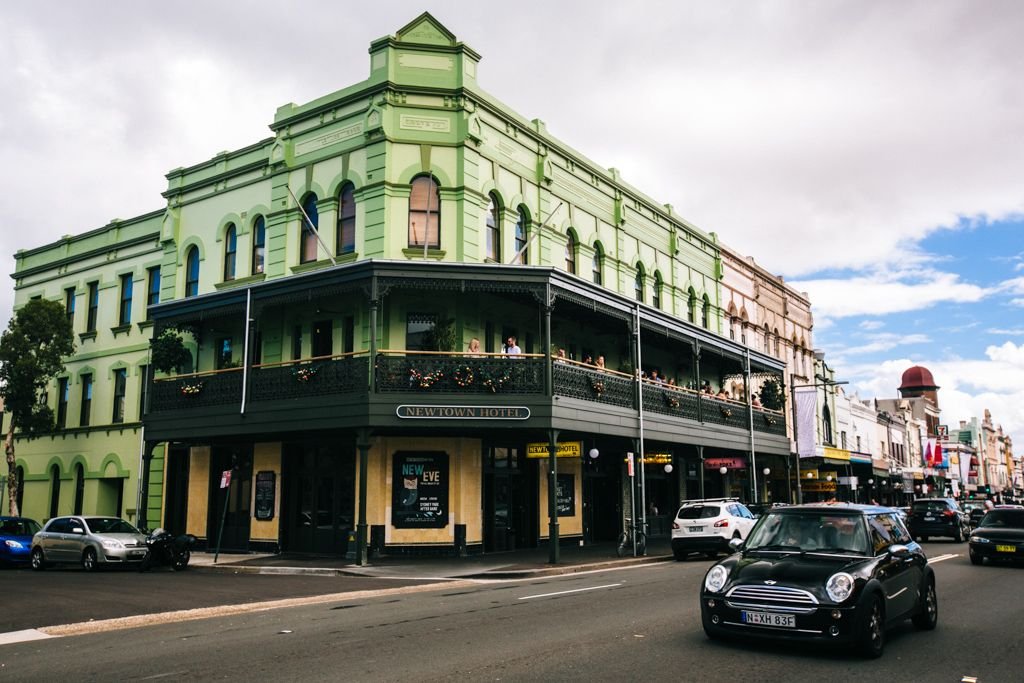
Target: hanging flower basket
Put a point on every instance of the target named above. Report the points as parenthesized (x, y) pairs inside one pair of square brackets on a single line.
[(305, 373), (769, 419), (464, 376), (191, 388), (671, 401), (726, 412), (424, 380), (597, 386)]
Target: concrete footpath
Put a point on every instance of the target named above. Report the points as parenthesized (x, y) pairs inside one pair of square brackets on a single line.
[(517, 564)]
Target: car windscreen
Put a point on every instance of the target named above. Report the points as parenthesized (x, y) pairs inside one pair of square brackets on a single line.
[(1004, 518), (699, 512), (930, 506), (110, 525), (810, 531), (19, 527)]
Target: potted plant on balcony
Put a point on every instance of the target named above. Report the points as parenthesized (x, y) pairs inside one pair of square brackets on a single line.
[(169, 353), (772, 397)]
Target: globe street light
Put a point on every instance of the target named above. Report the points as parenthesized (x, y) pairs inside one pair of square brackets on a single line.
[(594, 453), (723, 470)]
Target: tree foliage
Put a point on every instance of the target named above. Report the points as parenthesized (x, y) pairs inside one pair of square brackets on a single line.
[(169, 352), (32, 352), (772, 396)]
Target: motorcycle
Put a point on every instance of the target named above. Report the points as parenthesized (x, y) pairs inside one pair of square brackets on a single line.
[(167, 550)]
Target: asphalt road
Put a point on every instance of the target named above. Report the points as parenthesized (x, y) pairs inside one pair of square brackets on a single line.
[(640, 623)]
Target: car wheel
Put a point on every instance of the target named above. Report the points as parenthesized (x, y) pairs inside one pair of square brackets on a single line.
[(959, 538), (976, 559), (181, 562), (872, 631), (38, 561), (928, 611), (89, 563)]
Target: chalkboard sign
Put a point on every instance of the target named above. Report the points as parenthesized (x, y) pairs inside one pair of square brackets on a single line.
[(266, 493), (419, 498), (565, 495)]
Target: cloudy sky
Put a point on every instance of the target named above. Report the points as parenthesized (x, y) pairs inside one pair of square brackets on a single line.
[(870, 152)]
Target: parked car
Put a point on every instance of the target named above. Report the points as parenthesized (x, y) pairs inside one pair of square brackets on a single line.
[(975, 511), (91, 541), (999, 536), (16, 539), (938, 517), (707, 525), (834, 574)]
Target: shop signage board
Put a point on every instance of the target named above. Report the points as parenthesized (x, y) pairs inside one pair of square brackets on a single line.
[(435, 412), (419, 490), (731, 463), (820, 486), (565, 449), (655, 458)]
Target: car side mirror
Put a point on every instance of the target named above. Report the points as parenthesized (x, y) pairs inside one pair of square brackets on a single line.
[(898, 549), (735, 544), (78, 530)]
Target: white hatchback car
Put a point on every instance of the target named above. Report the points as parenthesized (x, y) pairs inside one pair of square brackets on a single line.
[(708, 525)]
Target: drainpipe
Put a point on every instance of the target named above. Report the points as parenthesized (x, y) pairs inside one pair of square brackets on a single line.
[(750, 418)]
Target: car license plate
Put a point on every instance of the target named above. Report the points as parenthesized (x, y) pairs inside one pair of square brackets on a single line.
[(1006, 548), (769, 619), (696, 529), (928, 518), (138, 553)]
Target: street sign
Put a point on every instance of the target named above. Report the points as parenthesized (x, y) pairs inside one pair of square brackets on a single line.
[(225, 479), (629, 463), (942, 431)]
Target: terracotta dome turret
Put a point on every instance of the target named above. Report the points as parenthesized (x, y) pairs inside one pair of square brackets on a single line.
[(919, 378)]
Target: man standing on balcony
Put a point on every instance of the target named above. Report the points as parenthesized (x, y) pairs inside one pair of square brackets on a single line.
[(511, 348)]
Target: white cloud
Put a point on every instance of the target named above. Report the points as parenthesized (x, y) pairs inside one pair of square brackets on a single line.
[(888, 291), (871, 325), (1016, 302), (1011, 332), (885, 342)]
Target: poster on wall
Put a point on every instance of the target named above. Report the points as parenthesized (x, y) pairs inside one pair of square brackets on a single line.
[(419, 490), (565, 495), (266, 492)]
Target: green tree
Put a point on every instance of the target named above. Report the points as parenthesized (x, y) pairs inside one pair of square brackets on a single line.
[(772, 396), (32, 352)]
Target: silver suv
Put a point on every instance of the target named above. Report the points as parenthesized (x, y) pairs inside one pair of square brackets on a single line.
[(90, 541), (708, 525)]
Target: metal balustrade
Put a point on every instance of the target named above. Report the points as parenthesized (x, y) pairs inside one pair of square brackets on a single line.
[(316, 377), (591, 384), (459, 374)]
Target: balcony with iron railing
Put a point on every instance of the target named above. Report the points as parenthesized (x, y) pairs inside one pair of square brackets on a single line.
[(443, 376)]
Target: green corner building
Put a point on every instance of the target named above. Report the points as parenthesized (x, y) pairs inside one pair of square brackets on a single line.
[(329, 282)]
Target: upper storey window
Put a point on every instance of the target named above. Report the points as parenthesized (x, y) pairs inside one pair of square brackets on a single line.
[(230, 250), (705, 313), (596, 265), (638, 283), (310, 226), (570, 253), (522, 221), (691, 306), (125, 311), (192, 272), (493, 236), (346, 221), (259, 245), (656, 296), (424, 213)]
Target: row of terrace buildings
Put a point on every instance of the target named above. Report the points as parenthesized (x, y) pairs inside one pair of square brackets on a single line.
[(329, 283)]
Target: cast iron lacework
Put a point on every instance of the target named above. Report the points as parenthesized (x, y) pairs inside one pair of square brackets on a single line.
[(592, 385), (193, 391), (447, 374), (320, 378)]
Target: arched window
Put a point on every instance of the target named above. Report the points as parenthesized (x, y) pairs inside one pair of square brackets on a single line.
[(424, 213), (346, 221), (733, 324), (596, 265), (691, 306), (767, 339), (522, 223), (570, 254), (230, 249), (310, 226), (638, 283), (259, 245), (656, 296), (826, 427), (492, 238), (79, 488), (705, 314), (192, 272), (54, 491), (777, 343)]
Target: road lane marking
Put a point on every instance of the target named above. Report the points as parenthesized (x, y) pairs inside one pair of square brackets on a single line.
[(12, 637), (575, 590), (942, 558)]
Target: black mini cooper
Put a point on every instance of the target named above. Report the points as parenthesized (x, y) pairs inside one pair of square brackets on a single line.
[(830, 572)]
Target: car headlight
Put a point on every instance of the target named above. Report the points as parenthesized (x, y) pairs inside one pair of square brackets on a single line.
[(839, 586), (716, 579), (14, 544), (979, 539), (111, 543)]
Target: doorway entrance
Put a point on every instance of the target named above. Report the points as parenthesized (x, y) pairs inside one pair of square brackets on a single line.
[(237, 497), (318, 508), (510, 500), (602, 499), (176, 468)]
